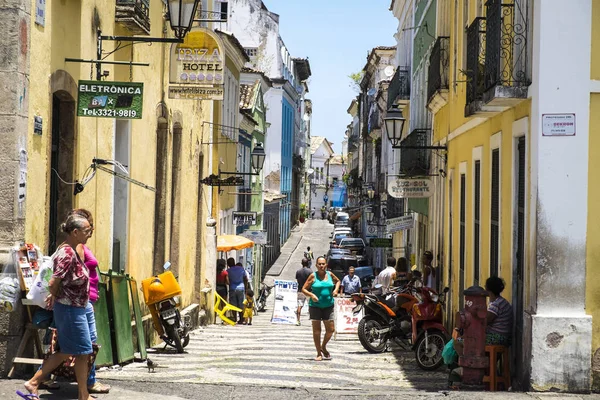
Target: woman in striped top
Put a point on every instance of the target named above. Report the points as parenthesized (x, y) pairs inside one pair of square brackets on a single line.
[(499, 315)]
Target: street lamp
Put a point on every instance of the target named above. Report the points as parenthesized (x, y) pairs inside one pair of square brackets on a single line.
[(258, 157), (394, 125), (181, 16), (371, 194), (369, 215)]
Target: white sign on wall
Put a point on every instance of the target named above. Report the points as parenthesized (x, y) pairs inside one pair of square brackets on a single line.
[(258, 237), (409, 188), (400, 223), (558, 124)]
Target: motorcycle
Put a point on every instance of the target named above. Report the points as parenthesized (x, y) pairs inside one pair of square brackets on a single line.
[(265, 291), (161, 294), (411, 316)]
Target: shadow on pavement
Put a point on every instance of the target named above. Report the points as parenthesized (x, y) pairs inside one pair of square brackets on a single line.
[(430, 381)]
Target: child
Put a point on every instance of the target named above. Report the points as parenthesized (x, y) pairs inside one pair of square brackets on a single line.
[(248, 307)]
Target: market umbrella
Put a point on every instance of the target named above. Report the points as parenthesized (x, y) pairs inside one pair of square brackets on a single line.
[(233, 242)]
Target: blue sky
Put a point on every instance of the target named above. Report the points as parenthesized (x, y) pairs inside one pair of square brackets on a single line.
[(336, 36)]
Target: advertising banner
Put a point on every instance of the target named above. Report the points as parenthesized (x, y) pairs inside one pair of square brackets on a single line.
[(103, 99), (258, 237), (286, 302), (345, 322)]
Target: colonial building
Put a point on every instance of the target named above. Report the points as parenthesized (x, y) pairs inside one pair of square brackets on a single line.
[(513, 195), (321, 153)]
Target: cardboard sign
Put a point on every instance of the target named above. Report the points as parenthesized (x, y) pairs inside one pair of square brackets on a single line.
[(286, 302), (346, 323)]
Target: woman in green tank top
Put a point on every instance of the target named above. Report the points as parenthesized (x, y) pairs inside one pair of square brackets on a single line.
[(321, 288)]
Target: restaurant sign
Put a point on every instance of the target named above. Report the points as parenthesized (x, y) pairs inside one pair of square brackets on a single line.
[(196, 67), (244, 218), (103, 99), (214, 180), (409, 188)]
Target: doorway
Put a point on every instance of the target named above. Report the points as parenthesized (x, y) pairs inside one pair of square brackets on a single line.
[(518, 252), (61, 165), (121, 197)]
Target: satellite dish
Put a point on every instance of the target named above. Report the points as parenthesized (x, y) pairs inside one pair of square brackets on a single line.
[(389, 71), (371, 92), (310, 171)]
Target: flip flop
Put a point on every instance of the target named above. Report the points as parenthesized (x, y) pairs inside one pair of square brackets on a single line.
[(327, 357), (28, 396)]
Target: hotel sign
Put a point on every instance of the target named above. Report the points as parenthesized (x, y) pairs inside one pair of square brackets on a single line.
[(244, 218), (409, 188), (123, 100), (196, 67)]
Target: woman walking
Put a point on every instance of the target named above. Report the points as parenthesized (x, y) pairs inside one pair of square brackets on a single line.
[(91, 263), (69, 288), (321, 287)]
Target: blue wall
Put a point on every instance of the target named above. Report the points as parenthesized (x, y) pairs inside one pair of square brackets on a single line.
[(287, 149)]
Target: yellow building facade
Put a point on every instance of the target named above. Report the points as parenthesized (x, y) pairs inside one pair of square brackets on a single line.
[(518, 194), (171, 148)]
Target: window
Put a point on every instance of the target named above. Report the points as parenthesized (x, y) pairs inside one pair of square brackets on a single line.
[(251, 51), (476, 220), (462, 237), (495, 214)]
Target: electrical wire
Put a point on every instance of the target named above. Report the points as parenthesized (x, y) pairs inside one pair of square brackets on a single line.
[(62, 180)]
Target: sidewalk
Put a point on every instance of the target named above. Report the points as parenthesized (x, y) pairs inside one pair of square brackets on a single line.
[(287, 250)]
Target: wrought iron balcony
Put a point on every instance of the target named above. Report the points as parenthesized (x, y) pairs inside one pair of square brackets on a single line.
[(415, 162), (399, 89), (475, 65), (374, 120), (437, 83), (395, 207), (134, 15), (506, 51)]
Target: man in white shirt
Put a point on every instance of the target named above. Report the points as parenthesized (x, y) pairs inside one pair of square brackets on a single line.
[(387, 277)]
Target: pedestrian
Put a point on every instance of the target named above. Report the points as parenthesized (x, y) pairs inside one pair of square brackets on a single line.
[(321, 287), (312, 214), (387, 276), (498, 330), (90, 261), (301, 276), (69, 288), (429, 271), (238, 283), (401, 272), (222, 279), (248, 307), (308, 254), (351, 283)]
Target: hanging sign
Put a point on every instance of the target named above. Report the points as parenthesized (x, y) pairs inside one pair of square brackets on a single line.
[(244, 218), (409, 188), (400, 223), (103, 99), (214, 180), (380, 242), (196, 67), (286, 301), (258, 237)]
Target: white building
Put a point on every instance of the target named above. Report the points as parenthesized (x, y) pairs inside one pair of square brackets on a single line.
[(321, 153)]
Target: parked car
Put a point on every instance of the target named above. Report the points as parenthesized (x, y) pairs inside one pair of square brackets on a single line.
[(355, 245), (335, 250), (342, 219), (338, 264), (342, 229), (337, 238), (366, 277)]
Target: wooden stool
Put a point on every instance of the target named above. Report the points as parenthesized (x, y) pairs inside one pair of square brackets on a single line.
[(492, 376)]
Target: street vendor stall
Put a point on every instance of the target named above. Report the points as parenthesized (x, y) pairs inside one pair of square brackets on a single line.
[(233, 242)]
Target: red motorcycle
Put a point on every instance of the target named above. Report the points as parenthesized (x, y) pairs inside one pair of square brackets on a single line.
[(411, 316)]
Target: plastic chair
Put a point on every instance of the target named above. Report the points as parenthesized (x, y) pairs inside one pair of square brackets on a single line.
[(226, 307), (492, 374)]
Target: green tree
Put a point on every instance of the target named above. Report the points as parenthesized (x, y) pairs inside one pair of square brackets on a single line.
[(355, 79)]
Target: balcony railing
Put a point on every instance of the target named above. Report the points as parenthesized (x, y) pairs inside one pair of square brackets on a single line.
[(395, 207), (399, 88), (506, 48), (374, 122), (134, 15), (439, 62), (415, 162), (475, 60)]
